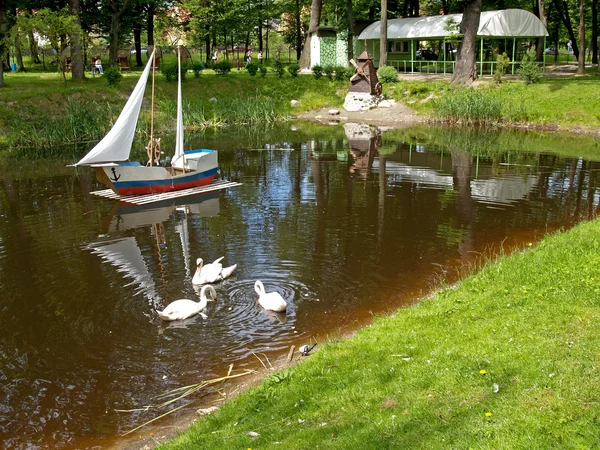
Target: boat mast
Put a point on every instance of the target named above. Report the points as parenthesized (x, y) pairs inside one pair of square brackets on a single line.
[(150, 147), (179, 137)]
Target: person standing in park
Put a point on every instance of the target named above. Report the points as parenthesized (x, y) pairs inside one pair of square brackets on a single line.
[(260, 57), (249, 57)]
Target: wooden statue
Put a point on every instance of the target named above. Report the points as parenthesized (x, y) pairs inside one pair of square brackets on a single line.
[(365, 76)]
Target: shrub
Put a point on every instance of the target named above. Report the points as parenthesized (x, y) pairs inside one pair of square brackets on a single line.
[(293, 69), (197, 68), (317, 71), (328, 71), (170, 71), (278, 69), (263, 70), (222, 67), (113, 75), (530, 70), (387, 74), (502, 63), (252, 69), (341, 73)]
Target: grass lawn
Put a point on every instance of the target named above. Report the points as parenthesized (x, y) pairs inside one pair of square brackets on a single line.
[(507, 359), (568, 102)]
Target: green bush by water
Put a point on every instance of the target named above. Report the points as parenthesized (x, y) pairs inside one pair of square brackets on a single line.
[(293, 69), (197, 69), (530, 69), (252, 69), (278, 69), (222, 67), (170, 71), (113, 75), (387, 74), (317, 71)]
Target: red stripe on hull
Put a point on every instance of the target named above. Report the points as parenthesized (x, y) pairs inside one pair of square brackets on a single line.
[(141, 190)]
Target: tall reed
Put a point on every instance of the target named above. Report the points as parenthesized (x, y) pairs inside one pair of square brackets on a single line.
[(82, 122), (469, 106)]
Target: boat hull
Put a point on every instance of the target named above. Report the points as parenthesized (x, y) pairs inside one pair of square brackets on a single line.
[(201, 167)]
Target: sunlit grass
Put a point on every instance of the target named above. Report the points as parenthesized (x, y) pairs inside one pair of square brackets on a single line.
[(506, 359), (567, 102)]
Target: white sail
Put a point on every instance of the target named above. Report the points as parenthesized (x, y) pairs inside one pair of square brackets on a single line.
[(116, 145), (179, 134)]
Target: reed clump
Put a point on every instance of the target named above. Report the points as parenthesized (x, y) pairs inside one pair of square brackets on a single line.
[(81, 122), (470, 106)]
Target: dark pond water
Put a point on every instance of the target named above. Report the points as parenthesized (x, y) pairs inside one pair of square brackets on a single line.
[(342, 223)]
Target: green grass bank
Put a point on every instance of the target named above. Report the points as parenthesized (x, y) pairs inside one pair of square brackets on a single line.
[(569, 103), (39, 114), (506, 359)]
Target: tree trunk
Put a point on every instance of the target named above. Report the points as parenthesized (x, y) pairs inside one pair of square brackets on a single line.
[(539, 48), (563, 10), (137, 42), (383, 35), (595, 32), (150, 24), (33, 48), (3, 33), (18, 52), (207, 44), (466, 71), (259, 34), (350, 31), (315, 18), (581, 58), (298, 31), (77, 65), (113, 39)]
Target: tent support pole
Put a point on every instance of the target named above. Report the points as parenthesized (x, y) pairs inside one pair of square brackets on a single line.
[(544, 56), (445, 56), (513, 55), (481, 59)]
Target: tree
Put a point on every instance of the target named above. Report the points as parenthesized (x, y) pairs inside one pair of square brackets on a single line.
[(315, 18), (581, 56), (56, 27), (3, 33), (465, 70), (383, 35), (541, 12), (77, 65), (594, 31), (117, 9)]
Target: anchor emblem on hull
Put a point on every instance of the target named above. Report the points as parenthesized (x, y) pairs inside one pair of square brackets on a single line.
[(116, 177)]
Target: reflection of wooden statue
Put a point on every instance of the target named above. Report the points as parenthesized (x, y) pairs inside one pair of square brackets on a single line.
[(364, 141), (365, 76)]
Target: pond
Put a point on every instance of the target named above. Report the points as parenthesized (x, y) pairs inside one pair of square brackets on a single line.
[(344, 222)]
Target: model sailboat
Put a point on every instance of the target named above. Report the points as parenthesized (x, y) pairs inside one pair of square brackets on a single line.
[(109, 157)]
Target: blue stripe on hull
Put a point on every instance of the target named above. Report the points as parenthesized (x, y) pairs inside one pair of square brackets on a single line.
[(166, 182)]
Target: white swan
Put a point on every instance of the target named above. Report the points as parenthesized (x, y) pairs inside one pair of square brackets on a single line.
[(211, 273), (182, 309), (271, 301)]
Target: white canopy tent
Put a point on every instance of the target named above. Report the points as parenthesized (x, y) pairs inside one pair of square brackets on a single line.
[(505, 23), (502, 24)]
